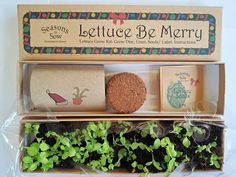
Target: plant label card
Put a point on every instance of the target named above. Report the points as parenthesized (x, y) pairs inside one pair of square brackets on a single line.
[(181, 88), (68, 88)]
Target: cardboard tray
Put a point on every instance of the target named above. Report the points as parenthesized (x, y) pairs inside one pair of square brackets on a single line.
[(214, 88)]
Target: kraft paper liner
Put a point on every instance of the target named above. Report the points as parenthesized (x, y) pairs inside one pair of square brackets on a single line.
[(67, 87)]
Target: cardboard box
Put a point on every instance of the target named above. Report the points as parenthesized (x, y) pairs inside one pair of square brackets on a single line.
[(121, 33), (144, 40)]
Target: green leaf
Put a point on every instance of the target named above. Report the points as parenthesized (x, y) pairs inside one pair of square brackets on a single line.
[(27, 159), (111, 167), (209, 146), (105, 147), (140, 166), (65, 141), (97, 146), (167, 174), (42, 155), (157, 165), (78, 156), (47, 165), (27, 125), (43, 146), (103, 160), (145, 169), (43, 160), (171, 151), (32, 151), (36, 128), (142, 146), (72, 151), (25, 165), (90, 147), (171, 165), (102, 133), (165, 141), (105, 169), (215, 160), (157, 143), (123, 140), (122, 153), (134, 164), (148, 163), (62, 147), (134, 145), (55, 159), (33, 167), (186, 142), (65, 155), (177, 129), (186, 159), (167, 158), (92, 126), (134, 156), (189, 132), (95, 164), (143, 133), (28, 128)]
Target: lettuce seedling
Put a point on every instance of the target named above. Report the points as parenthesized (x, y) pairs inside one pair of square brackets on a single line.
[(105, 146)]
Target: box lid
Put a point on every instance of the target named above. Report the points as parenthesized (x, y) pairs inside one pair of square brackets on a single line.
[(124, 33)]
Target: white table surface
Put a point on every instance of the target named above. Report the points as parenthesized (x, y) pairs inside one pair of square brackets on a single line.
[(9, 56)]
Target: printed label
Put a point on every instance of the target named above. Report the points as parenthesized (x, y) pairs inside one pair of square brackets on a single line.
[(118, 33)]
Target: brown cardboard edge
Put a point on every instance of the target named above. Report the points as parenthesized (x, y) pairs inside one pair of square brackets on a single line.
[(19, 76), (120, 62), (221, 101), (116, 118), (161, 88)]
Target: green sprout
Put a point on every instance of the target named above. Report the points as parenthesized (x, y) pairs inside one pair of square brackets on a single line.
[(107, 145)]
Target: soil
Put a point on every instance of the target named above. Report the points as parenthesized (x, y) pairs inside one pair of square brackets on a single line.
[(67, 163), (143, 156)]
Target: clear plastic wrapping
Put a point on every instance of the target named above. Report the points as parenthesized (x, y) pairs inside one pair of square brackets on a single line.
[(133, 141)]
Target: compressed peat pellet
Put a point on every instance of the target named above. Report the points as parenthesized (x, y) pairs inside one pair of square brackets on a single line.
[(126, 92), (67, 88)]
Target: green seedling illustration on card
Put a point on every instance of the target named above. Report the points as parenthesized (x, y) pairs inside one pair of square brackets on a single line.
[(176, 94)]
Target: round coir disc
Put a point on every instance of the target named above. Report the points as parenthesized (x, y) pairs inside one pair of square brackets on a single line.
[(126, 92)]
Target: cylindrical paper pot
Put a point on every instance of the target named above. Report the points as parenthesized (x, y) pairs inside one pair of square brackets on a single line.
[(68, 88)]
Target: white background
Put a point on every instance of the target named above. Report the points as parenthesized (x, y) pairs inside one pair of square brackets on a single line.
[(9, 56)]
